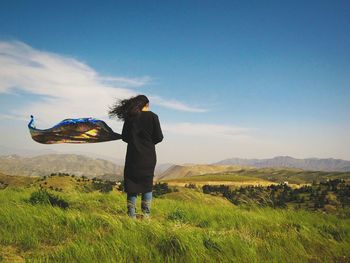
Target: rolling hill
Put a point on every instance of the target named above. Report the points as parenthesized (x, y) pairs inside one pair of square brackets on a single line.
[(312, 164), (227, 173), (179, 171)]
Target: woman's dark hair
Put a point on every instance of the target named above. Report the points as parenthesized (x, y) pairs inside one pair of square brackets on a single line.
[(128, 108)]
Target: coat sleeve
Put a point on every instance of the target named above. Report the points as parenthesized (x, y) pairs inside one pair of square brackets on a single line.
[(157, 135), (126, 132)]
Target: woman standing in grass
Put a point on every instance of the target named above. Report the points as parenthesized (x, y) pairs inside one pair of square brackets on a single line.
[(141, 131)]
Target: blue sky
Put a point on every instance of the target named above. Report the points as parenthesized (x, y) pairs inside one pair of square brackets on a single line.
[(274, 73)]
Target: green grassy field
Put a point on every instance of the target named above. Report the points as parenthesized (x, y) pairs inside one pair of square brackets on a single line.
[(186, 226), (263, 175), (215, 177), (292, 175)]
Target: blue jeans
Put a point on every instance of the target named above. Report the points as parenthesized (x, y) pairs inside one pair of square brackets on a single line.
[(146, 199)]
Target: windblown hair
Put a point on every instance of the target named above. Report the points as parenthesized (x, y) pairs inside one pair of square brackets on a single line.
[(128, 108)]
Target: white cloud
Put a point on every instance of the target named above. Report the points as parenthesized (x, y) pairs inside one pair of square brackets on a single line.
[(12, 116), (208, 130), (127, 82), (174, 104), (66, 86)]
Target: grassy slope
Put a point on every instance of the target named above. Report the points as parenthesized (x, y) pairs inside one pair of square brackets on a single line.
[(233, 180), (15, 181), (186, 226), (264, 175), (215, 177), (294, 175)]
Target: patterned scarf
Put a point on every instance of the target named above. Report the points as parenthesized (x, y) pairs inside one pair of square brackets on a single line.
[(81, 130)]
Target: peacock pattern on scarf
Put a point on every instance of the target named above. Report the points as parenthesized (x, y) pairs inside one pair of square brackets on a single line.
[(80, 130)]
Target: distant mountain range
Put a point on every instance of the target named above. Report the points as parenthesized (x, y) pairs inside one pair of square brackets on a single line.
[(90, 167), (76, 164), (60, 163), (313, 164), (25, 152)]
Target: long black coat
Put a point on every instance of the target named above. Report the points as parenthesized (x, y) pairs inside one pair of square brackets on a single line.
[(141, 133)]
